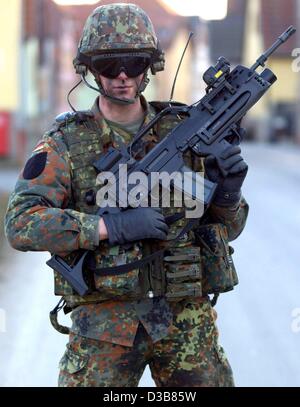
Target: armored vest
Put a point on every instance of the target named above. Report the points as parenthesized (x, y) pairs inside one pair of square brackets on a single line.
[(198, 264)]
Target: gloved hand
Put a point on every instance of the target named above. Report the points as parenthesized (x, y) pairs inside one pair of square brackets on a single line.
[(228, 192), (135, 224)]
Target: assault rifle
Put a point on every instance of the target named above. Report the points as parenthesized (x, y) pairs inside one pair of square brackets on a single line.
[(205, 129)]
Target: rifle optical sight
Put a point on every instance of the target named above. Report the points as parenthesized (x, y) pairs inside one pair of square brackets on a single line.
[(216, 73)]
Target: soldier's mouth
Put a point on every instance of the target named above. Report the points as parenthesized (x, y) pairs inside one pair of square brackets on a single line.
[(123, 87)]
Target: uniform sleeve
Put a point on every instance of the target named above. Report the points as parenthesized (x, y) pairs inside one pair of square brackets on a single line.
[(37, 217), (233, 218)]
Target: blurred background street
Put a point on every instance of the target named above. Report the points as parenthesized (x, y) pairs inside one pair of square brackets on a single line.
[(258, 321)]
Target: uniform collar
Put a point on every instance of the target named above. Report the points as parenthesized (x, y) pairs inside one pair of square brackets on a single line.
[(107, 133)]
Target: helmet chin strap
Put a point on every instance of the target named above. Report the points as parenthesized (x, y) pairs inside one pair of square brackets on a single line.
[(114, 99)]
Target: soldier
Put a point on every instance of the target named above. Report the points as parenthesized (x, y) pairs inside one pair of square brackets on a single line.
[(155, 315)]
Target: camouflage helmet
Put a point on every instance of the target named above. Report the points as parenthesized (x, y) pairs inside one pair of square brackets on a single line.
[(118, 27)]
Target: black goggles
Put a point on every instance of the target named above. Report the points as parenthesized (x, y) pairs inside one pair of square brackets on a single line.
[(112, 65)]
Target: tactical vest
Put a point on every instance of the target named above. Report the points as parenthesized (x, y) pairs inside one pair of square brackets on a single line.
[(199, 264)]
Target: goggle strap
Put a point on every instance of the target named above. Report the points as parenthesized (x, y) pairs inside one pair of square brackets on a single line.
[(124, 54), (87, 60), (84, 59)]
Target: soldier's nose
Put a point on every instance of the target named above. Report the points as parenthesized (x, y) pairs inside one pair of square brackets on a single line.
[(122, 74)]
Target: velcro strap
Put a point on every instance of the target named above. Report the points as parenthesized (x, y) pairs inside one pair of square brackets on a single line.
[(182, 257), (186, 273), (185, 293)]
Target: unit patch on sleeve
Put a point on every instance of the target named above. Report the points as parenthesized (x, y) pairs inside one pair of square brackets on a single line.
[(35, 165)]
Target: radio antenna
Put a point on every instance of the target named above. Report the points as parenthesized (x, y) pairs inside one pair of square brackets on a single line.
[(179, 65)]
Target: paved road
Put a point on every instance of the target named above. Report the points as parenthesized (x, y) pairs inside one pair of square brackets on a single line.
[(255, 321), (257, 329)]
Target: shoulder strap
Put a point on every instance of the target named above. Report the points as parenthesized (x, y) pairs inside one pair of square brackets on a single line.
[(79, 116)]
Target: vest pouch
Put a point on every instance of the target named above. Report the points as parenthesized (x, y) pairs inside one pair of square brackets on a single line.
[(183, 274), (124, 286), (218, 271)]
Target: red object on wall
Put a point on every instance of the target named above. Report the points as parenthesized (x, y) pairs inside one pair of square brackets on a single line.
[(5, 119)]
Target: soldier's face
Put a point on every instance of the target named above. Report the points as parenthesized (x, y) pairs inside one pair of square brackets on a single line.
[(121, 87)]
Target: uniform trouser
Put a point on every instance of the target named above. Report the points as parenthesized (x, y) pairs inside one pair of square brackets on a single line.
[(189, 356)]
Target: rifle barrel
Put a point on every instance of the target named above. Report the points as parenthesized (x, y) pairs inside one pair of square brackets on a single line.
[(281, 39)]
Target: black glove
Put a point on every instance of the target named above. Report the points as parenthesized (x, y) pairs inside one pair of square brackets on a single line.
[(135, 224), (231, 163)]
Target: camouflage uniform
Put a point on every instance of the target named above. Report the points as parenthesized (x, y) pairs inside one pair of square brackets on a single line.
[(117, 330)]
